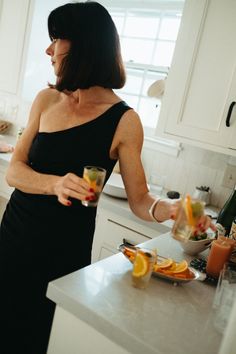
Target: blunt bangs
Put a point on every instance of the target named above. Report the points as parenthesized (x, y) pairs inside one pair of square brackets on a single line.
[(59, 25)]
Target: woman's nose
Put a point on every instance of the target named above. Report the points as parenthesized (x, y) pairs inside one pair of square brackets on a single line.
[(49, 50)]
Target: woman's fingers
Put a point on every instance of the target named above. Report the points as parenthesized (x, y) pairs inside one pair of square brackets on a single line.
[(174, 209), (204, 223), (72, 186)]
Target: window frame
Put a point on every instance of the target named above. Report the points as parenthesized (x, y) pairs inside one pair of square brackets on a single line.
[(151, 140)]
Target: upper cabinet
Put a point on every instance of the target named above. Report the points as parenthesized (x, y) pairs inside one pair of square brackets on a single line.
[(198, 104), (13, 23)]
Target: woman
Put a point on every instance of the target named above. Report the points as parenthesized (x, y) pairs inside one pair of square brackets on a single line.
[(46, 232)]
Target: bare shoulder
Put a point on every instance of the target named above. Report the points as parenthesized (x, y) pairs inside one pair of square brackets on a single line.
[(130, 126), (42, 101), (47, 96)]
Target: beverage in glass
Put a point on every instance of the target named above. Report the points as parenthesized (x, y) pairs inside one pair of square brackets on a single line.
[(219, 254), (189, 213), (95, 176), (143, 267)]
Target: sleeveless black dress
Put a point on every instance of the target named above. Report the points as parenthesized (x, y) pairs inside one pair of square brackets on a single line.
[(40, 239)]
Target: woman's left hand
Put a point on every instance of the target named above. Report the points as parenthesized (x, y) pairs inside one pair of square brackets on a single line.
[(204, 223)]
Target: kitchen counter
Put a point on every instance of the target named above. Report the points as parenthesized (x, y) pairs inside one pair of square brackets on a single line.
[(163, 318)]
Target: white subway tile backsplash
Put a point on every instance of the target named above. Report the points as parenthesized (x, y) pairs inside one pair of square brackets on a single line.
[(193, 167)]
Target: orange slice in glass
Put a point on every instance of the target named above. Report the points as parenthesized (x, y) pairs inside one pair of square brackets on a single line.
[(140, 265), (189, 212)]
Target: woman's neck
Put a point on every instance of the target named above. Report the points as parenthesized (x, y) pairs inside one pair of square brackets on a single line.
[(95, 94)]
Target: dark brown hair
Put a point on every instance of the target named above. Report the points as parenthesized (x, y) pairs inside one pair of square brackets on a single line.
[(94, 58)]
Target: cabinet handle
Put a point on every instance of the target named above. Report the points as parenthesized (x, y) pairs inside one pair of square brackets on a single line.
[(227, 122), (128, 243)]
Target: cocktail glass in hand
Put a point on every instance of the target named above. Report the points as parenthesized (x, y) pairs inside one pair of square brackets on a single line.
[(143, 267), (95, 176), (187, 218)]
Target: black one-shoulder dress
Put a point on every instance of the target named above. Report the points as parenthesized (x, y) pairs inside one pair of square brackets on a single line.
[(40, 239)]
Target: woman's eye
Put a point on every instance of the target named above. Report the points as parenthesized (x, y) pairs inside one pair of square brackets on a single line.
[(54, 40)]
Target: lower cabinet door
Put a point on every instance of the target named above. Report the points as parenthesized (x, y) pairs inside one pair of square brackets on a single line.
[(105, 252)]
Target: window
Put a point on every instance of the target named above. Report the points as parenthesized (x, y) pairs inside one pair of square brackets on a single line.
[(148, 31)]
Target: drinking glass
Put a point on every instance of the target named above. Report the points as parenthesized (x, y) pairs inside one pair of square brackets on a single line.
[(95, 176), (188, 215), (219, 254), (224, 297), (148, 257)]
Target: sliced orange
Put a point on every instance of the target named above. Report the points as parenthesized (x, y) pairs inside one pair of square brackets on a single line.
[(181, 267), (86, 177), (170, 270), (156, 268), (130, 254), (189, 211), (140, 265), (92, 183), (167, 263)]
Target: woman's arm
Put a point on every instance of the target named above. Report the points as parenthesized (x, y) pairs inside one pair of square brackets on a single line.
[(130, 135), (21, 176)]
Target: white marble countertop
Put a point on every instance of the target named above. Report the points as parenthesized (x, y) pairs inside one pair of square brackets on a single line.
[(163, 318)]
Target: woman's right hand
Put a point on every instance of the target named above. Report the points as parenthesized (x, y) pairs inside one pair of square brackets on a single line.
[(72, 186)]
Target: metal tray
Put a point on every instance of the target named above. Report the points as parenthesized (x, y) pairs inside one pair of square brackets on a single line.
[(196, 275)]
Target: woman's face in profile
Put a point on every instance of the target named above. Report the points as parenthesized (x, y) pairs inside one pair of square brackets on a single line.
[(57, 50)]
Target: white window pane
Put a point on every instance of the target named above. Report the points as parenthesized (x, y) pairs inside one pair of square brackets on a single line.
[(149, 110), (137, 50), (164, 53), (169, 28), (141, 27), (132, 101), (119, 21), (133, 81)]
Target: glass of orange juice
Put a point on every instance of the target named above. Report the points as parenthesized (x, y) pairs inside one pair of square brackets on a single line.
[(95, 176), (143, 267)]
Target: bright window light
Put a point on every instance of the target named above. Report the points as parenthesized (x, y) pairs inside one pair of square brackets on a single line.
[(148, 35)]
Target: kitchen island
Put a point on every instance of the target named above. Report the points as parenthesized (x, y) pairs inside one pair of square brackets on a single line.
[(99, 311)]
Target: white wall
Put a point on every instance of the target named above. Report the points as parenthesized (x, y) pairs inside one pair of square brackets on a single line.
[(193, 167)]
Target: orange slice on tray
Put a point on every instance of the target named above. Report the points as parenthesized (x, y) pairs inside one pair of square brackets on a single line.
[(140, 265), (181, 267), (167, 263), (169, 270)]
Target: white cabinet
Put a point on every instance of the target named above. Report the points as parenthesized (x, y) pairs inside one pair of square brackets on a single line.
[(70, 335), (201, 85), (112, 228), (13, 23)]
